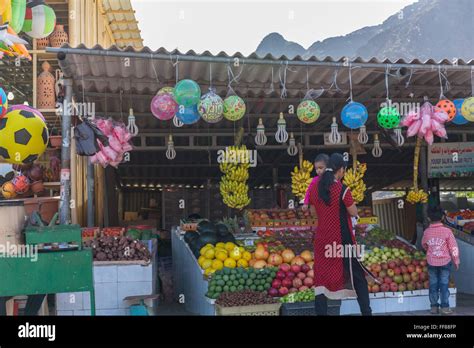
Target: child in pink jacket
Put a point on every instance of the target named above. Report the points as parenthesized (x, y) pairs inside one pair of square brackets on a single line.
[(441, 252), (320, 164)]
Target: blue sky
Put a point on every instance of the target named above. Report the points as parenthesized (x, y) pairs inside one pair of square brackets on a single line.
[(231, 26)]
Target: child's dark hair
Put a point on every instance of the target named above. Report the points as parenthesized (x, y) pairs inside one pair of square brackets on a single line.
[(336, 162), (322, 157), (435, 213)]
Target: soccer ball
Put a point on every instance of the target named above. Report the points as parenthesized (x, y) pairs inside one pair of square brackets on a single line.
[(21, 184), (23, 136), (8, 190)]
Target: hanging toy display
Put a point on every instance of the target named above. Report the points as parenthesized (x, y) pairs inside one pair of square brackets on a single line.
[(459, 119), (260, 138), (21, 184), (18, 15), (301, 178), (234, 108), (187, 93), (167, 89), (377, 150), (131, 126), (354, 115), (308, 111), (8, 190), (292, 149), (388, 117), (335, 137), (3, 103), (363, 137), (416, 195), (163, 106), (176, 122), (354, 179), (40, 20), (449, 107), (170, 151), (211, 107), (426, 123), (399, 135), (281, 136), (188, 115), (467, 109), (23, 137)]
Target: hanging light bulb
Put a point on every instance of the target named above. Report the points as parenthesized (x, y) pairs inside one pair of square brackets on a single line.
[(377, 150), (335, 137), (363, 137), (177, 122), (281, 135), (10, 96), (170, 152), (292, 149), (132, 127), (400, 138), (260, 138)]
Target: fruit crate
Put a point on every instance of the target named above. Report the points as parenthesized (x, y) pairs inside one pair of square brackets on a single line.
[(298, 309), (257, 310)]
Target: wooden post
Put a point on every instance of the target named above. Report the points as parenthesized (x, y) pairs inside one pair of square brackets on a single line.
[(424, 182)]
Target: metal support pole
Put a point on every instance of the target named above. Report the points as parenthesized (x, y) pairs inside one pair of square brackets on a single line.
[(65, 208), (90, 194), (424, 183)]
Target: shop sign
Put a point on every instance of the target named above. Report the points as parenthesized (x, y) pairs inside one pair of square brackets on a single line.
[(451, 160)]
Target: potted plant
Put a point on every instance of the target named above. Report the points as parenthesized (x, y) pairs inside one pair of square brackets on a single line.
[(55, 138), (37, 187)]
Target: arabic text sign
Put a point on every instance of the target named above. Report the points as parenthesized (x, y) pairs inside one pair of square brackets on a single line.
[(451, 160)]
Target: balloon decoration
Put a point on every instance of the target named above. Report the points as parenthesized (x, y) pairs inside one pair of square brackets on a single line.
[(459, 118), (3, 103), (21, 184), (211, 107), (3, 5), (163, 106), (234, 108), (18, 14), (354, 115), (23, 137), (27, 108), (467, 109), (388, 117), (40, 20), (426, 123), (188, 115), (449, 107), (187, 93), (166, 90), (6, 14), (8, 190), (308, 111)]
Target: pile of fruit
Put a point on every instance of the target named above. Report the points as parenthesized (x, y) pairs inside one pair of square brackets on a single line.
[(375, 237), (118, 249), (462, 215), (280, 218), (291, 279), (354, 180), (365, 212), (233, 186), (244, 298), (298, 241), (469, 227), (301, 178), (385, 254), (215, 257), (301, 296), (239, 279), (263, 258)]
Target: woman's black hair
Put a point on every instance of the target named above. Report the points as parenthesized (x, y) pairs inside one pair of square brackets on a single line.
[(336, 162), (435, 213), (322, 157)]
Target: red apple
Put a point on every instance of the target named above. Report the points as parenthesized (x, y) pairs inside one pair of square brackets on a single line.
[(397, 270), (276, 284), (283, 291), (296, 269), (384, 287), (406, 260), (415, 262), (406, 278), (390, 272), (410, 286), (404, 269), (426, 284), (419, 285), (423, 263), (292, 290), (280, 275), (308, 281), (375, 288), (387, 280), (305, 268), (384, 265), (297, 283), (290, 275), (383, 273), (402, 287), (301, 275), (310, 273), (411, 268), (415, 276), (303, 288), (392, 264), (376, 267), (398, 262), (423, 276), (418, 269), (285, 267), (287, 283), (394, 287)]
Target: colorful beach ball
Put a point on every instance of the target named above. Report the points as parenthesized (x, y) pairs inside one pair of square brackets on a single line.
[(354, 115), (40, 20), (188, 115), (449, 107), (211, 107), (3, 103), (234, 108), (21, 184), (459, 119), (187, 93), (467, 109), (163, 106), (308, 111), (388, 117)]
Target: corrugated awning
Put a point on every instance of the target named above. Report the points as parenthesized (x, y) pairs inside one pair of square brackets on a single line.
[(444, 185)]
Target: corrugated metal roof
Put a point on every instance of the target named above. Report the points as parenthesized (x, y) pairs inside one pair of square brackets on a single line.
[(122, 23)]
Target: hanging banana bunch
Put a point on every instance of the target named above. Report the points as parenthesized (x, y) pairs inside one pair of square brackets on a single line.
[(301, 178), (416, 195), (233, 186), (354, 180)]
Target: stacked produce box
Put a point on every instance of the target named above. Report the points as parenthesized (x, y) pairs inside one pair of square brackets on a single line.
[(462, 220)]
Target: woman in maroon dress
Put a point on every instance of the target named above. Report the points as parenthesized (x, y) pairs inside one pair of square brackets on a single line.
[(337, 272)]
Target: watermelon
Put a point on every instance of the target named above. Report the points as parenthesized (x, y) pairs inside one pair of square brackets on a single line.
[(190, 236), (208, 238), (222, 229)]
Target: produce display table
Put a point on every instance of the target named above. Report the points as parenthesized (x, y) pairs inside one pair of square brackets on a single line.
[(464, 277), (189, 284)]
